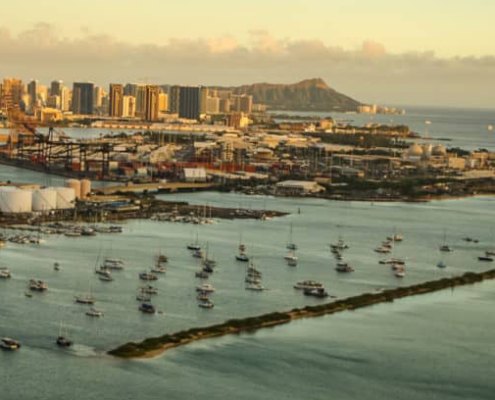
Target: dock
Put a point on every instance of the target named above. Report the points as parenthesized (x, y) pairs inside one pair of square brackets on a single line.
[(156, 187)]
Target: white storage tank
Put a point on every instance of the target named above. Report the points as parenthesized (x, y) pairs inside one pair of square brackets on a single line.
[(85, 188), (14, 200), (44, 199), (74, 184), (65, 197)]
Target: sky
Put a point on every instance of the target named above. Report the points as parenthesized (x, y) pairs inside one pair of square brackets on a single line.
[(382, 51)]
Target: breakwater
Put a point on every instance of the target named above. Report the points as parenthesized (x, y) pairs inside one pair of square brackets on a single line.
[(154, 346)]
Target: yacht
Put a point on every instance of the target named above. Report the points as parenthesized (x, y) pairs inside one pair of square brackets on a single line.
[(291, 256), (242, 257), (5, 273), (9, 344), (292, 262), (63, 341), (105, 277), (316, 292), (37, 285), (147, 308), (400, 273), (205, 287), (85, 299), (158, 269), (383, 250), (255, 287), (340, 245), (445, 248), (206, 304), (93, 312), (307, 285), (147, 276), (198, 253), (113, 264), (343, 267), (149, 289), (194, 246), (203, 296), (395, 238), (393, 260)]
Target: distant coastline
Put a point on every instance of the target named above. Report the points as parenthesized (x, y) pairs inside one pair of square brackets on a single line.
[(153, 347)]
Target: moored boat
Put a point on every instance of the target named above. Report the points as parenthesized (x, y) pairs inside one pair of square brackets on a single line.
[(9, 344)]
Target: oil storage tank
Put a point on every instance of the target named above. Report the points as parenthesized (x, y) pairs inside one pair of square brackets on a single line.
[(44, 199), (14, 200), (65, 197), (85, 188), (76, 185)]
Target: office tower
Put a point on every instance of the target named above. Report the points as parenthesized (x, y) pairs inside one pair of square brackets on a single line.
[(189, 102), (212, 105), (83, 98), (65, 98), (130, 89), (116, 106), (163, 99), (141, 101), (174, 99), (32, 90), (98, 94), (152, 103), (203, 100), (129, 107), (56, 88), (224, 105)]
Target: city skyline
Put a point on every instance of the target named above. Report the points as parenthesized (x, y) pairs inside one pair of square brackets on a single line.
[(417, 54)]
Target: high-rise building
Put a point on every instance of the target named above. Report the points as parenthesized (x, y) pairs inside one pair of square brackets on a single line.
[(129, 106), (152, 103), (98, 94), (130, 89), (65, 99), (212, 105), (203, 100), (56, 88), (83, 98), (116, 103), (12, 92), (141, 101), (163, 99), (174, 99), (243, 103), (32, 89), (189, 102)]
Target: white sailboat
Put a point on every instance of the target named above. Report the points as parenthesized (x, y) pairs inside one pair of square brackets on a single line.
[(290, 243)]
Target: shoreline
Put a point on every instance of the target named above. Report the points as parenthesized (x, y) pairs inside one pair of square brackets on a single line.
[(156, 346)]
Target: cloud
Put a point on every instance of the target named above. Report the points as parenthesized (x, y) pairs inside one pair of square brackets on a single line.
[(369, 72)]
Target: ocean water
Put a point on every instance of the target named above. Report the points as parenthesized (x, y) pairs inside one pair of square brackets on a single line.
[(465, 128)]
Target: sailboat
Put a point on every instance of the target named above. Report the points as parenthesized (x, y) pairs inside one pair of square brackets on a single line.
[(194, 246), (444, 247), (242, 256), (63, 340), (291, 259), (253, 278), (290, 243), (207, 261)]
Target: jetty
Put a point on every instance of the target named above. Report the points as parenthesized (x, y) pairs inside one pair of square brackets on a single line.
[(155, 346)]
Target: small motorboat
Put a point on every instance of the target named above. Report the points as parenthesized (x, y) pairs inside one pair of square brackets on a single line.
[(85, 299), (159, 269), (205, 287), (307, 285), (441, 265), (206, 304), (9, 344), (62, 341), (37, 285), (93, 312), (445, 248), (5, 273), (56, 266), (242, 257), (485, 258), (147, 276), (147, 308), (383, 250), (343, 267), (316, 292)]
